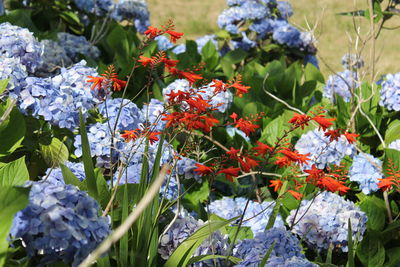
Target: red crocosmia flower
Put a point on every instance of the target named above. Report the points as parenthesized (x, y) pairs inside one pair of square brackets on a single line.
[(247, 163), (276, 184), (333, 135), (300, 120), (198, 103), (246, 126), (152, 32), (169, 63), (294, 156), (118, 84), (190, 76), (233, 116), (97, 81), (251, 162), (314, 174), (230, 173), (145, 61), (130, 135), (332, 185), (351, 137), (295, 194), (282, 161), (240, 88), (323, 122), (203, 170), (245, 167), (385, 183), (153, 137), (262, 149), (178, 96), (233, 153), (174, 35), (171, 119), (219, 86)]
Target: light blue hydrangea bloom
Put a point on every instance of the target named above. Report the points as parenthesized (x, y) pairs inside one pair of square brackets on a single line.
[(286, 34), (291, 262), (395, 145), (352, 62), (2, 11), (252, 251), (285, 9), (186, 166), (135, 10), (323, 152), (183, 228), (152, 113), (324, 221), (98, 7), (390, 92), (201, 42), (232, 131), (163, 43), (130, 116), (256, 216), (340, 84), (244, 43), (20, 43), (55, 175), (312, 60), (175, 86), (54, 57), (61, 223), (12, 69), (366, 170), (76, 46)]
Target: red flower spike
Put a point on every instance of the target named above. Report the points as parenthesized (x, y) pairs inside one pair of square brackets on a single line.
[(262, 149), (230, 173), (219, 86), (294, 156), (153, 137), (145, 61), (240, 88), (386, 183), (314, 174), (130, 135), (246, 126), (173, 35), (333, 135), (97, 81), (203, 170), (332, 185), (118, 84), (233, 116), (351, 137), (169, 63), (276, 184), (323, 122), (300, 120), (282, 161), (233, 153), (295, 194), (152, 32)]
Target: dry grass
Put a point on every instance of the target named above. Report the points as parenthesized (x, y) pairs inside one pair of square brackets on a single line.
[(335, 33)]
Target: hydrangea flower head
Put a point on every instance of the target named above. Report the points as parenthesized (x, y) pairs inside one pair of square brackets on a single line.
[(55, 175), (152, 115), (54, 57), (98, 7), (286, 34), (390, 92), (324, 221), (366, 170), (76, 46), (395, 145), (61, 223), (352, 62), (135, 10), (20, 43), (323, 152), (15, 72), (341, 84), (163, 43)]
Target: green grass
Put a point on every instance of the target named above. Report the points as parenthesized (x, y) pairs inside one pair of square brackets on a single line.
[(335, 34)]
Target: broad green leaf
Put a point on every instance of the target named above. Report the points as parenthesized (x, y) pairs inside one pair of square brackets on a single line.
[(12, 200), (70, 178), (12, 130), (87, 159), (55, 153), (371, 251), (393, 132), (311, 73), (102, 188), (394, 257), (14, 173), (235, 56), (275, 129), (3, 85), (376, 212)]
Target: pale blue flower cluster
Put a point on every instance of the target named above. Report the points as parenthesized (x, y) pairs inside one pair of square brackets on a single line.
[(12, 69), (130, 116), (323, 152), (163, 43), (183, 228), (185, 167), (17, 42), (256, 216), (395, 145), (98, 7), (390, 92), (55, 175), (201, 42), (176, 86), (341, 84), (352, 61), (135, 10), (76, 46), (54, 57), (366, 170), (252, 251), (152, 115), (324, 221), (61, 223)]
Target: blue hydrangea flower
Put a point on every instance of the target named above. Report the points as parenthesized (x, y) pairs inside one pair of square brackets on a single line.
[(340, 84), (262, 27), (352, 62), (252, 251), (312, 60), (232, 131), (324, 221), (244, 43), (55, 176), (285, 9), (286, 34), (54, 57), (323, 152), (76, 46), (135, 10), (291, 262), (163, 43), (390, 92), (183, 228), (170, 188), (99, 7), (12, 69), (152, 115), (130, 116), (201, 42), (256, 216), (395, 145), (366, 170), (20, 43), (175, 86), (186, 166), (61, 223)]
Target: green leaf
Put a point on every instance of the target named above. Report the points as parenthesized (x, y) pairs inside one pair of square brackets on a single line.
[(3, 85), (311, 73), (12, 130), (273, 130), (394, 257), (14, 173), (375, 209), (343, 112), (102, 188), (12, 200), (371, 251), (117, 39), (70, 178), (391, 156), (235, 56), (393, 132), (123, 243), (266, 257), (232, 259), (350, 254), (87, 160), (55, 153)]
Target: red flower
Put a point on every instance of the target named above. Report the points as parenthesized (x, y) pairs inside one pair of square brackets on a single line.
[(153, 137), (152, 32), (97, 81), (233, 153), (314, 174), (385, 183), (145, 61), (294, 156), (169, 63), (262, 149), (219, 86), (174, 35), (351, 137), (240, 88), (333, 134), (198, 103), (130, 135), (246, 126), (230, 173), (203, 170), (118, 84), (323, 122), (295, 194), (276, 184), (332, 185), (233, 116), (190, 76), (282, 161), (300, 120)]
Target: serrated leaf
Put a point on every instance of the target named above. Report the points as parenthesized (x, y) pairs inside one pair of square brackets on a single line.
[(55, 153), (14, 173)]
